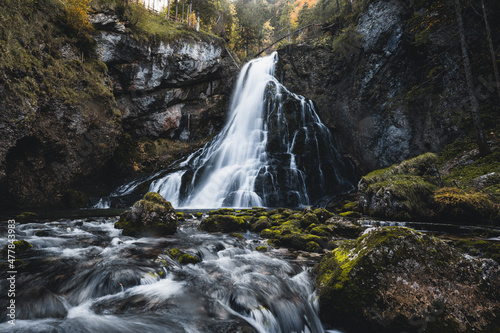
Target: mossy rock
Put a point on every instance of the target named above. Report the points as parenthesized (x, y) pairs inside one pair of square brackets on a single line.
[(182, 257), (198, 215), (223, 223), (261, 248), (344, 228), (237, 235), (268, 233), (308, 219), (26, 216), (391, 277), (222, 211), (323, 215), (299, 241), (180, 216), (351, 214), (403, 191), (350, 206), (453, 204), (479, 248), (320, 231), (22, 246), (261, 223), (151, 216)]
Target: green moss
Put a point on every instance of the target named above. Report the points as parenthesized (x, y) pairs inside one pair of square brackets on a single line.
[(261, 248), (413, 193), (185, 259), (268, 233), (26, 215), (350, 206), (182, 257), (351, 213), (308, 219), (237, 235), (22, 246), (223, 223), (222, 211), (457, 204), (322, 214), (180, 216), (423, 166), (320, 231)]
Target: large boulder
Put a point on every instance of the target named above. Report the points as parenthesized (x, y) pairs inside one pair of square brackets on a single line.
[(151, 216), (403, 191), (394, 279)]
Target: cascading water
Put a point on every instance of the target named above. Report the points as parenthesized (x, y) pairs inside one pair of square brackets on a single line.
[(273, 151), (85, 276)]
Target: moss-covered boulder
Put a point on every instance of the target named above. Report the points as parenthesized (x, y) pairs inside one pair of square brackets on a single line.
[(182, 257), (461, 205), (343, 228), (223, 223), (394, 279), (403, 191), (151, 216), (261, 223), (323, 215)]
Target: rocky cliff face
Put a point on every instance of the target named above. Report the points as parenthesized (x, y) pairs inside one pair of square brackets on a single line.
[(65, 115), (169, 88), (385, 96)]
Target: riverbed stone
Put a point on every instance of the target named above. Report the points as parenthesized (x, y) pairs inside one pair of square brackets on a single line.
[(394, 279), (151, 216)]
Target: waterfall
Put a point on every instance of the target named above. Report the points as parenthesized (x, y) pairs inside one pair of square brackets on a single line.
[(273, 151)]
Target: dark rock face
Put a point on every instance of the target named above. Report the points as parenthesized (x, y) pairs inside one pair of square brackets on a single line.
[(373, 93), (62, 120), (394, 279), (51, 145), (177, 89), (152, 216)]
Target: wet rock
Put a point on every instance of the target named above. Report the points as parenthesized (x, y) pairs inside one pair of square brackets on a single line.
[(39, 302), (153, 216), (182, 257), (393, 279)]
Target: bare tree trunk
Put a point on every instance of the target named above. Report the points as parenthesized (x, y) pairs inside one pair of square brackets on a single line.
[(176, 9), (168, 9), (492, 50), (182, 14), (481, 140)]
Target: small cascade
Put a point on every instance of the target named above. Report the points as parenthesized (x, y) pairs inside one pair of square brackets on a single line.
[(273, 151)]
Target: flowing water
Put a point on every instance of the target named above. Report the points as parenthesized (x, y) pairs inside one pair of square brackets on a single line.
[(274, 151), (84, 276)]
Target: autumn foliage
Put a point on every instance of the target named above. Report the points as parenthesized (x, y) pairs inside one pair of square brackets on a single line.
[(77, 15)]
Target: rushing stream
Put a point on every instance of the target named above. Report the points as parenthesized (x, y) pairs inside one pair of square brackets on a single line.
[(84, 276)]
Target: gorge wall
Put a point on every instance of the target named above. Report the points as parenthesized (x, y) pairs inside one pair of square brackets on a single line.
[(387, 90), (74, 121)]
